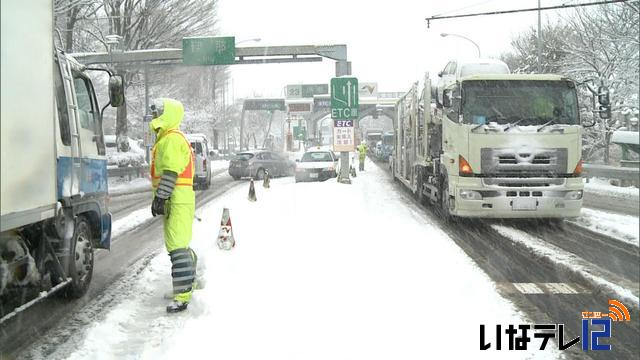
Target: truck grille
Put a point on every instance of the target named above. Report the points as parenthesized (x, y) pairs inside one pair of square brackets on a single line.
[(506, 162)]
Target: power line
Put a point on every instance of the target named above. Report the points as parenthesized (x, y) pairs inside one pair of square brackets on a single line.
[(563, 6), (465, 7)]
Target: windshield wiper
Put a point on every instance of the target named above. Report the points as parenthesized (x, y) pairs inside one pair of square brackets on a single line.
[(553, 121), (477, 126), (510, 125), (546, 124)]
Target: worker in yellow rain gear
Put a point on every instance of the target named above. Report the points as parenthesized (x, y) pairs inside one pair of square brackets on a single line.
[(362, 154), (172, 171)]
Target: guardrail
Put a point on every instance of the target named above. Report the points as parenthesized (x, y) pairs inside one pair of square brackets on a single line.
[(611, 172), (130, 172)]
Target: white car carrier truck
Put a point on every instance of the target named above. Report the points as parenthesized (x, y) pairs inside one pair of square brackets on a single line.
[(53, 167), (501, 146)]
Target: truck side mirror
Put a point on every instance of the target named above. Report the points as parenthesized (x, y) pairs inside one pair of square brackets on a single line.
[(116, 90), (603, 95), (446, 98), (605, 112)]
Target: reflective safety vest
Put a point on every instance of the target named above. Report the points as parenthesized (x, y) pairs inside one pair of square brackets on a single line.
[(186, 177)]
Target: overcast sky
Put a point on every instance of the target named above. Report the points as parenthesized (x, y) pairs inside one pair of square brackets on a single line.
[(387, 42)]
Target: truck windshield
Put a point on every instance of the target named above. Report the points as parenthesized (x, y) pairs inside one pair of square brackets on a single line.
[(527, 102)]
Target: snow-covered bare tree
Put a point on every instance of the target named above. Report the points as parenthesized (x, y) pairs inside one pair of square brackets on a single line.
[(524, 56), (595, 46), (603, 49), (142, 24)]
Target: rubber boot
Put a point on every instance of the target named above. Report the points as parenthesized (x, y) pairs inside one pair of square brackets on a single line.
[(183, 271), (177, 306)]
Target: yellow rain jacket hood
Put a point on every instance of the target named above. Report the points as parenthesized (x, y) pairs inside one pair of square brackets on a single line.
[(171, 150)]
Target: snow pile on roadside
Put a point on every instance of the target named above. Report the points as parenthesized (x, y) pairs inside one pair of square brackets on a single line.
[(623, 227), (119, 186), (566, 260), (310, 278), (134, 157), (132, 220), (219, 165), (602, 186)]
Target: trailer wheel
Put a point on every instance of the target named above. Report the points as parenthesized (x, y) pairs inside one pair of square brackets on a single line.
[(80, 268)]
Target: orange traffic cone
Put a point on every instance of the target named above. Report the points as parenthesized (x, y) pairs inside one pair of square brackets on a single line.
[(252, 191), (225, 241), (266, 183)]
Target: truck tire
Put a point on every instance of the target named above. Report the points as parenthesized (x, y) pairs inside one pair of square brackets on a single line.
[(445, 199), (419, 191), (80, 268)]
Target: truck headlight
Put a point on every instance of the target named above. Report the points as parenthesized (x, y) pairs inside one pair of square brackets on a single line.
[(470, 195), (573, 195)]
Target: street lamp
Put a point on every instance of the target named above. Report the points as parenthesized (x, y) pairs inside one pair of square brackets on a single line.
[(463, 37)]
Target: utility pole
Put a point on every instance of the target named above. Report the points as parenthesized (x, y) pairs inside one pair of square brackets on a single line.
[(242, 127), (539, 42)]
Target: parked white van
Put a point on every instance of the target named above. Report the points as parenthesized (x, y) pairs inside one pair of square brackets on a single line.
[(200, 146)]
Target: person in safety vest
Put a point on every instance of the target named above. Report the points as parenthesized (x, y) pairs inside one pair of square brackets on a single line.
[(362, 154), (172, 171)]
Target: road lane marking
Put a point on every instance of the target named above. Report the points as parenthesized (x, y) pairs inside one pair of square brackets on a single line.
[(542, 288), (559, 288), (528, 288)]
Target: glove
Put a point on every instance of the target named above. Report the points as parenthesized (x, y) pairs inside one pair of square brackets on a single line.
[(158, 208), (163, 193)]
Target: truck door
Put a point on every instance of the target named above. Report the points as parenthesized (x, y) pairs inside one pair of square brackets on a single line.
[(93, 172)]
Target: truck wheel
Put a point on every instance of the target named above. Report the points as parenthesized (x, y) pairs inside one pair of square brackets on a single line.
[(445, 199), (81, 260), (419, 191)]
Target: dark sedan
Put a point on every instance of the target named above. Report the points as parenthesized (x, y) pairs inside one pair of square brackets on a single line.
[(254, 164)]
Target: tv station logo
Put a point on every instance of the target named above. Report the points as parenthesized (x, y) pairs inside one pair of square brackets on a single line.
[(596, 329)]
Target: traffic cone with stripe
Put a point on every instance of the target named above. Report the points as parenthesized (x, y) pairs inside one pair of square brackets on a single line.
[(252, 191), (266, 183), (225, 241)]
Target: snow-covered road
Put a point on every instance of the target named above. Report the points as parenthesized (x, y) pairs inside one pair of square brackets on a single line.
[(320, 270)]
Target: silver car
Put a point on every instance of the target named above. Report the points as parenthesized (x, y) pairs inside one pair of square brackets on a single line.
[(254, 164)]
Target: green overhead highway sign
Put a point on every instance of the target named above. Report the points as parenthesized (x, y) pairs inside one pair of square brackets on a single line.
[(306, 90), (209, 50), (344, 98), (264, 104)]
